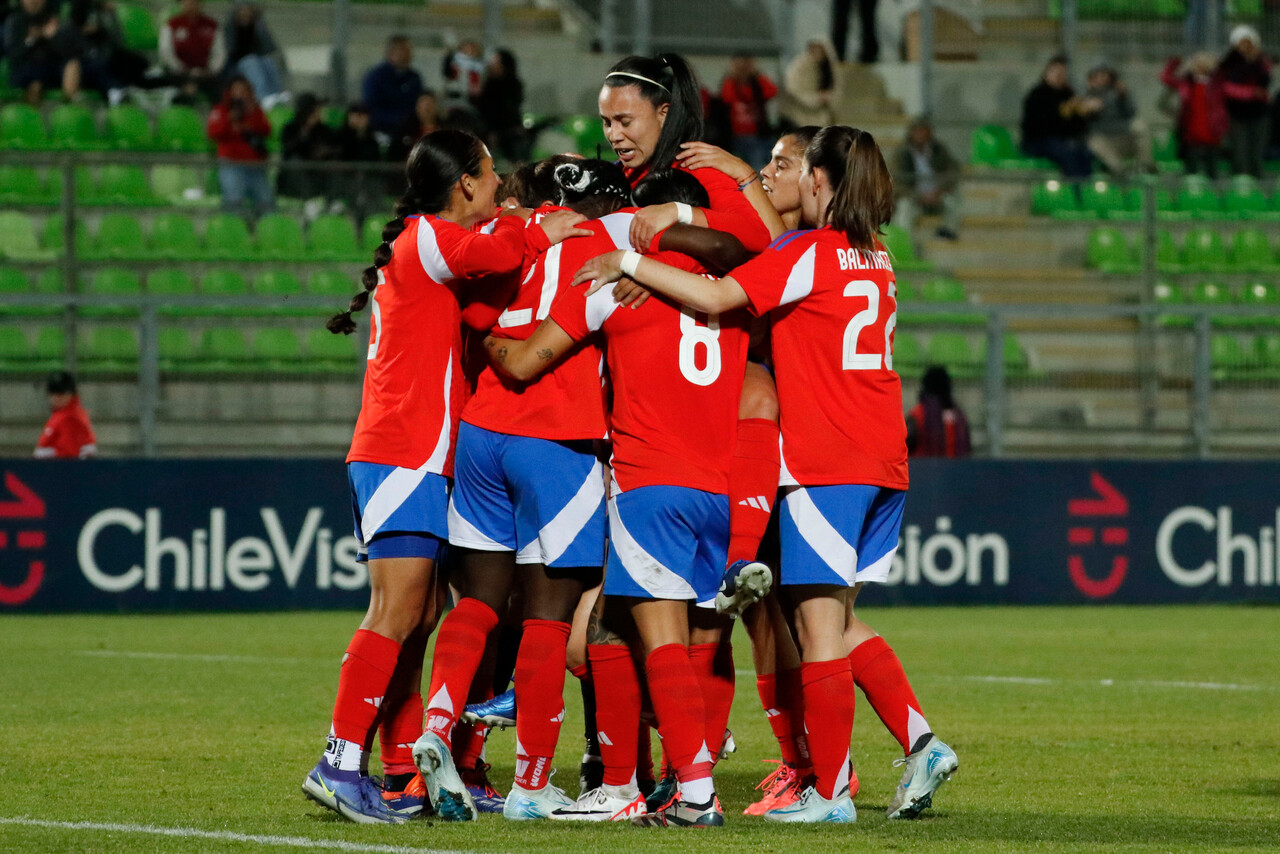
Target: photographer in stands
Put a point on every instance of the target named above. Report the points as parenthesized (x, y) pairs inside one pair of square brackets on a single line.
[(239, 128), (1054, 120)]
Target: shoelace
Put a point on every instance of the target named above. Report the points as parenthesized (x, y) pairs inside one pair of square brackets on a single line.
[(767, 782)]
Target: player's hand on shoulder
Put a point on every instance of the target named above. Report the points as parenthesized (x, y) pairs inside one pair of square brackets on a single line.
[(629, 293), (704, 155), (600, 271), (649, 221), (561, 225)]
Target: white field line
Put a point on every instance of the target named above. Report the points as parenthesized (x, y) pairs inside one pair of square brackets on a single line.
[(189, 656), (223, 836), (1101, 683)]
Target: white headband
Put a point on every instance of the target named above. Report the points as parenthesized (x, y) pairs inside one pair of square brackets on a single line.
[(637, 77)]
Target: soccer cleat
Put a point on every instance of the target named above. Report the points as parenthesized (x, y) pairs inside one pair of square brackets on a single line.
[(781, 789), (745, 582), (499, 711), (350, 794), (727, 746), (927, 769), (812, 808), (409, 801), (525, 804), (678, 813), (663, 792), (604, 803), (483, 794), (445, 789), (590, 773)]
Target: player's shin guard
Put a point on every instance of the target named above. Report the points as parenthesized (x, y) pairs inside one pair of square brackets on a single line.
[(459, 648), (878, 672), (677, 701), (540, 668), (779, 715), (713, 666), (397, 733), (613, 672), (753, 484), (828, 702)]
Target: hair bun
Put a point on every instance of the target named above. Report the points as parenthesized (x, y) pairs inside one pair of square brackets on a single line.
[(572, 177)]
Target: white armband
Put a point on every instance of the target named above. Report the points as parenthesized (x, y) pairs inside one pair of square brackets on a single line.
[(684, 213), (630, 260)]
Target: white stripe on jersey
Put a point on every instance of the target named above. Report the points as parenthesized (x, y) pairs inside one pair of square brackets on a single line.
[(429, 254), (435, 463), (800, 281), (600, 306), (550, 279), (618, 225)]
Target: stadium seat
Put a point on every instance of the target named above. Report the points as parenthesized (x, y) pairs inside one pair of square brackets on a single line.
[(277, 349), (898, 241), (226, 238), (21, 127), (906, 292), (992, 145), (1164, 151), (109, 348), (1245, 199), (18, 238), (125, 185), (587, 132), (1167, 293), (1057, 199), (944, 290), (129, 128), (50, 350), (1198, 198), (279, 238), (1014, 356), (1204, 252), (223, 348), (276, 287), (138, 27), (14, 282), (1268, 350), (908, 355), (1108, 251), (1262, 296), (329, 352), (53, 237), (371, 234), (181, 129), (333, 238), (177, 185), (1251, 252), (86, 186), (278, 117), (15, 350), (1229, 359), (1103, 199), (177, 353), (952, 350), (112, 282), (171, 282), (173, 238), (22, 185), (120, 237), (225, 283), (333, 283), (72, 128)]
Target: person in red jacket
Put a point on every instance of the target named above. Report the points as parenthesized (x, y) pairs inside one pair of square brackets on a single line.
[(746, 92), (240, 128), (1202, 112), (193, 52), (68, 433)]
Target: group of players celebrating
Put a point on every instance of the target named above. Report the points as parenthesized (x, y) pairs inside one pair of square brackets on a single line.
[(575, 406)]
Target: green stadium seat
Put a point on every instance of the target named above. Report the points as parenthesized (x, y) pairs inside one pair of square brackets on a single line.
[(897, 240), (1262, 296), (1103, 199), (588, 136), (1203, 252), (329, 352), (1198, 198), (943, 290), (109, 348), (992, 145), (1210, 293), (223, 348), (278, 117), (1268, 349), (22, 185), (129, 128), (173, 238), (1168, 258), (371, 234), (138, 27), (177, 353), (1016, 363), (125, 185), (1164, 151), (18, 238), (1108, 251), (15, 349), (908, 355), (21, 127), (906, 292), (1167, 293), (14, 282), (1245, 199), (87, 191), (276, 288), (1230, 360), (50, 350), (226, 238), (177, 185), (333, 283), (72, 128), (279, 238), (171, 282), (1057, 199), (53, 237), (333, 238), (225, 283), (120, 237), (277, 349), (952, 350), (182, 129), (112, 282), (1251, 252)]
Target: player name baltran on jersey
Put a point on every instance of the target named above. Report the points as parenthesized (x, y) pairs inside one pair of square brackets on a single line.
[(861, 259)]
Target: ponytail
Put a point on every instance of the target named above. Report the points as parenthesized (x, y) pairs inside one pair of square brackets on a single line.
[(435, 165), (862, 200), (664, 79)]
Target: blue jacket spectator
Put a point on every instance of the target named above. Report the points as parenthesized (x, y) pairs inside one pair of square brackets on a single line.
[(391, 88)]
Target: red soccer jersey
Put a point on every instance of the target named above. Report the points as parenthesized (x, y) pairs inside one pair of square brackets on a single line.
[(67, 434), (676, 376), (729, 211), (840, 400), (566, 402), (413, 385)]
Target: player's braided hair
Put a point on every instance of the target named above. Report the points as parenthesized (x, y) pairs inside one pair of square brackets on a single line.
[(435, 165), (863, 188), (593, 188), (664, 79)]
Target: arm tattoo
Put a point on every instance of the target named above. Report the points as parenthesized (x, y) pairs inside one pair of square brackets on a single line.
[(546, 354)]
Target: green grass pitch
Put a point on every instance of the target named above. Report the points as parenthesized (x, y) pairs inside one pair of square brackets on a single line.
[(1078, 729)]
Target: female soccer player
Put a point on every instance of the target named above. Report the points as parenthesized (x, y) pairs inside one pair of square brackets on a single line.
[(844, 443), (402, 451)]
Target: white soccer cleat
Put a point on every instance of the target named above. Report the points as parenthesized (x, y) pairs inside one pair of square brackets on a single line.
[(927, 769), (445, 789), (530, 804), (745, 583), (812, 808), (605, 803)]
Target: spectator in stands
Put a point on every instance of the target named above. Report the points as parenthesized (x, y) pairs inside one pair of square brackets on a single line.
[(925, 178), (239, 127), (1246, 77), (936, 426), (306, 138), (392, 87), (357, 144), (809, 86), (424, 119), (500, 104), (464, 73), (43, 52), (1054, 120), (108, 65), (193, 52), (68, 433), (870, 50), (747, 92), (251, 51), (1117, 136), (1202, 111)]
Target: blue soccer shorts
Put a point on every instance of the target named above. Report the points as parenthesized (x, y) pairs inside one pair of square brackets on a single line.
[(667, 542), (541, 499), (844, 534), (399, 512)]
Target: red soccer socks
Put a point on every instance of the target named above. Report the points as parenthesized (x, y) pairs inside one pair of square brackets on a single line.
[(828, 717), (459, 647), (540, 698), (878, 672), (362, 683), (753, 485)]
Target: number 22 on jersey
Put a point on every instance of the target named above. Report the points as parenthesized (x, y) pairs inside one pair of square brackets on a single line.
[(868, 290)]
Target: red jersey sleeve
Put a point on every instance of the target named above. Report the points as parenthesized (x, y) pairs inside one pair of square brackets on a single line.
[(782, 274), (578, 314), (730, 211), (448, 251)]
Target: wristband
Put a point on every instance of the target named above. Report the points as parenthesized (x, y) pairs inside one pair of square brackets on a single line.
[(630, 260), (755, 176), (684, 213)]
